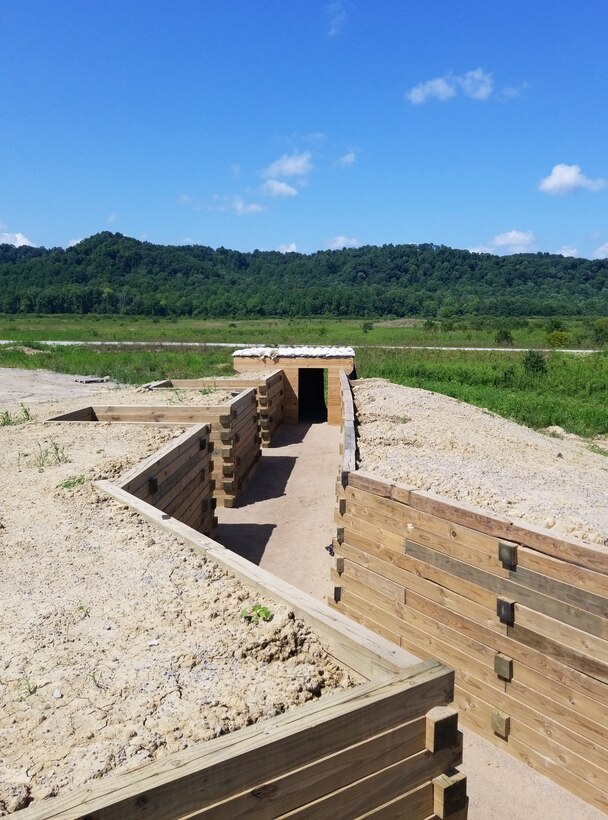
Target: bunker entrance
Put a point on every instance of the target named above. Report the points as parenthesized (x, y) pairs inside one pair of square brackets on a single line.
[(312, 406)]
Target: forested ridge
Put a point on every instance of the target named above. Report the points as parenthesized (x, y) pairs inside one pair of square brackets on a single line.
[(112, 273)]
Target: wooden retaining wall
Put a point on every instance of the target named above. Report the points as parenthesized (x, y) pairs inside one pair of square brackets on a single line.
[(386, 748), (234, 433), (177, 480), (519, 612), (269, 392)]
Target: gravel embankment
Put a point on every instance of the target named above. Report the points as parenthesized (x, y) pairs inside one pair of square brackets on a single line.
[(433, 442)]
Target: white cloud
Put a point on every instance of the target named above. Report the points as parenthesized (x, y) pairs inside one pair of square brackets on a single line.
[(290, 247), (336, 12), (274, 187), (441, 87), (73, 242), (601, 252), (347, 159), (111, 218), (236, 169), (565, 179), (567, 250), (339, 242), (17, 239), (477, 84), (507, 243), (290, 165), (241, 208)]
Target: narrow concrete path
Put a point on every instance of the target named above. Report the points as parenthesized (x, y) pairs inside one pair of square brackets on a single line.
[(285, 517)]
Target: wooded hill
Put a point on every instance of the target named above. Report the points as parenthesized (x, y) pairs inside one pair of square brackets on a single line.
[(112, 273)]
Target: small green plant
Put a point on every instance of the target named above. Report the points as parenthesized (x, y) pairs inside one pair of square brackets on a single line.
[(600, 451), (25, 688), (257, 613), (83, 610), (8, 419), (96, 678), (71, 482), (367, 326), (50, 456)]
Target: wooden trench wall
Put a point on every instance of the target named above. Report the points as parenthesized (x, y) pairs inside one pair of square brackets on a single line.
[(385, 748), (177, 480), (234, 435), (520, 613), (269, 396)]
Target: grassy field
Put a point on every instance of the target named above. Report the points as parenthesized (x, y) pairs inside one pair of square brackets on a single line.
[(567, 390), (526, 333)]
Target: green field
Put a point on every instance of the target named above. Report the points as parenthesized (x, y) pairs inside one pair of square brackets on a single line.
[(525, 333), (567, 390)]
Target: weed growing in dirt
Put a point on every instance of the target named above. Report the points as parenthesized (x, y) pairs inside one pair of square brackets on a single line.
[(70, 483), (601, 451), (257, 613), (50, 456), (25, 688), (8, 419), (82, 610)]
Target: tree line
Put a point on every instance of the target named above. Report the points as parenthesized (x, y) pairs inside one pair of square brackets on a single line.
[(111, 273)]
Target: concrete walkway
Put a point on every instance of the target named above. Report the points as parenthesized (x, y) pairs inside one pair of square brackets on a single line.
[(285, 517)]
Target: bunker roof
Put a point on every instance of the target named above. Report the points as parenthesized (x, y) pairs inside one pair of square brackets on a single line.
[(297, 352)]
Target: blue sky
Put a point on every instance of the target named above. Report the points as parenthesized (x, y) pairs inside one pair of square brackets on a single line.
[(306, 125)]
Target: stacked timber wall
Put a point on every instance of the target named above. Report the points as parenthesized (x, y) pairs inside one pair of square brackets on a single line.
[(234, 434), (177, 480), (519, 612), (385, 748), (291, 367), (269, 392)]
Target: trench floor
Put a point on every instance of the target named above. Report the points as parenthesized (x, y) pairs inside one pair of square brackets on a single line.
[(285, 517)]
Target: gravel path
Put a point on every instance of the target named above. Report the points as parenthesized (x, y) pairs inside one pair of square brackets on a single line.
[(433, 442)]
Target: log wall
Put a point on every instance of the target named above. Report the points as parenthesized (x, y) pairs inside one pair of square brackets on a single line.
[(269, 392), (519, 612), (177, 480)]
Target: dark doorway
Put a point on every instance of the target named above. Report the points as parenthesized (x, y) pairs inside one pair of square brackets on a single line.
[(311, 394)]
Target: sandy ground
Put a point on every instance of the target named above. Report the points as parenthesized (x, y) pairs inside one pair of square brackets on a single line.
[(499, 786), (118, 644), (433, 442), (285, 517)]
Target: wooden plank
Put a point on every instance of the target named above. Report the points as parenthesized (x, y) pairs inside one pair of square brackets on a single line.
[(413, 805), (376, 789), (585, 580), (82, 414), (564, 633), (184, 782), (328, 773), (138, 475), (564, 654), (476, 714), (593, 624), (410, 582), (374, 580), (547, 729), (549, 542)]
